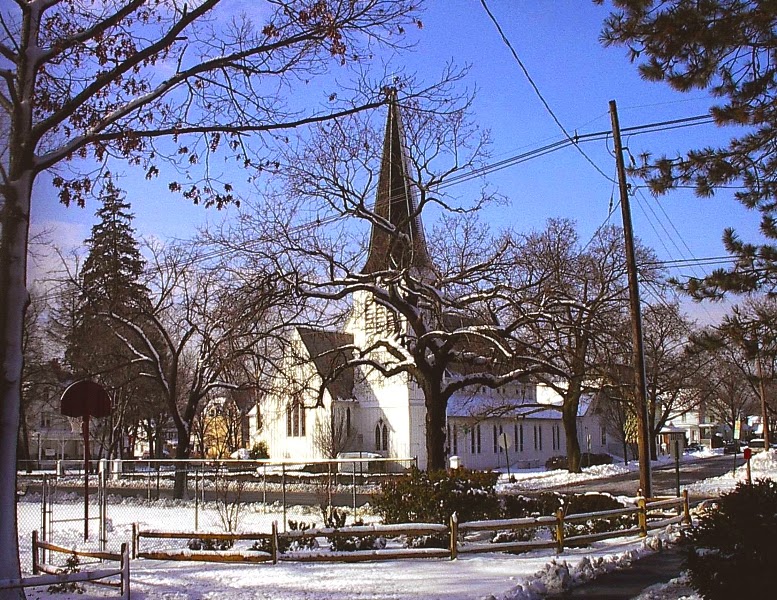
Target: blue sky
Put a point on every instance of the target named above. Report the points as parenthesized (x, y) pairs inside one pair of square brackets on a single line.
[(558, 43)]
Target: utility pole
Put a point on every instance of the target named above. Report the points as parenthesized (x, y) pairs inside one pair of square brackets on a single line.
[(638, 356)]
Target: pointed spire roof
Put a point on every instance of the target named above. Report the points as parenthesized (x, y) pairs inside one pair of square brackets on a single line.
[(399, 242)]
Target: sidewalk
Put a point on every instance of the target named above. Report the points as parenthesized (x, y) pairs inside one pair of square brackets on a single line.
[(629, 583)]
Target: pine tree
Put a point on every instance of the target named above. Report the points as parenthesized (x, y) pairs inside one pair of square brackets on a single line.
[(113, 269), (728, 47), (111, 283)]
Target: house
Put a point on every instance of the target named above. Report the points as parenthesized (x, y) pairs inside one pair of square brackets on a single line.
[(525, 435), (358, 409)]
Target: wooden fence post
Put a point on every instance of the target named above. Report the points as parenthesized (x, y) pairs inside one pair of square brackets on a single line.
[(686, 508), (274, 543), (134, 540), (35, 553), (642, 515), (454, 535), (560, 531), (125, 572)]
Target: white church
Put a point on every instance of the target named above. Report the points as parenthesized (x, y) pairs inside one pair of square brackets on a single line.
[(360, 410)]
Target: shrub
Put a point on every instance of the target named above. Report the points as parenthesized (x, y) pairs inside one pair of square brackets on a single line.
[(586, 460), (421, 497), (259, 450), (730, 552), (586, 503), (542, 504), (72, 565), (208, 544)]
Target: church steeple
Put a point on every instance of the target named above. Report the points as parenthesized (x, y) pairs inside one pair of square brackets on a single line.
[(399, 242)]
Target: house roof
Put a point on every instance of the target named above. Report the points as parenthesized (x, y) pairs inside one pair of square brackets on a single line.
[(402, 244), (480, 405), (325, 349)]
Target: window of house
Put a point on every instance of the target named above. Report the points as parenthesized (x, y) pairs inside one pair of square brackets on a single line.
[(556, 437), (348, 421), (539, 430), (381, 437), (518, 434), (295, 419), (496, 440), (475, 439), (604, 436), (455, 440)]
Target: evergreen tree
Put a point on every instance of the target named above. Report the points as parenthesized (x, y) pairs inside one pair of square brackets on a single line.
[(728, 47), (113, 270), (111, 282)]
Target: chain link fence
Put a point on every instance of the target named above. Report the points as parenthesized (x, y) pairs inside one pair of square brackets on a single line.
[(189, 496)]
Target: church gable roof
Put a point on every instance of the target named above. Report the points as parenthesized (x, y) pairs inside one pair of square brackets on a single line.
[(325, 349), (396, 204)]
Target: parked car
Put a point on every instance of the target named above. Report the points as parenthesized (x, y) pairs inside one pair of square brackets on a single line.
[(694, 447), (758, 444), (731, 448)]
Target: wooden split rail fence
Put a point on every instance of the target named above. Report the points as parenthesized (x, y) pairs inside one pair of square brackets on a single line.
[(53, 575), (651, 514)]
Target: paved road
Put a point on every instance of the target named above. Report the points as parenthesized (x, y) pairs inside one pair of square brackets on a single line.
[(664, 477)]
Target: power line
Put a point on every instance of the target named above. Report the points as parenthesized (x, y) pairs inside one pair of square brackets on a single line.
[(537, 90), (577, 139)]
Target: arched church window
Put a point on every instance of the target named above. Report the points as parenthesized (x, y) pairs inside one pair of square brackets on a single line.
[(295, 418), (381, 436)]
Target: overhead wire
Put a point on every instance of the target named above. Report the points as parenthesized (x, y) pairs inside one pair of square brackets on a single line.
[(537, 90)]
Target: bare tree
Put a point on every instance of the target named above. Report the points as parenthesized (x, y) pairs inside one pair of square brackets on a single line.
[(444, 325), (673, 368), (748, 335), (589, 291), (331, 436), (150, 82), (200, 325)]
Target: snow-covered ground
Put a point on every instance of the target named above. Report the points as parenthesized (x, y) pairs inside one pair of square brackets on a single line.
[(486, 576)]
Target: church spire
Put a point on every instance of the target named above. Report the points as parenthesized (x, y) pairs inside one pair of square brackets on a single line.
[(401, 244)]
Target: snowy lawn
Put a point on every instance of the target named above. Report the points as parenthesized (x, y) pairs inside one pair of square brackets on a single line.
[(485, 576)]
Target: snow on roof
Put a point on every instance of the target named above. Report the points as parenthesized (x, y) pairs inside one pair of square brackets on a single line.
[(484, 404)]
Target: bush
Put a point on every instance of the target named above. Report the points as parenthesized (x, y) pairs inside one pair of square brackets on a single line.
[(542, 505), (208, 544), (259, 450), (586, 460), (421, 497), (547, 503), (730, 552), (72, 565)]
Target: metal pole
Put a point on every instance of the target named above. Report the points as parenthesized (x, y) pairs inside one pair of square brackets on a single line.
[(283, 490), (353, 475), (85, 432), (196, 499), (677, 466), (640, 385)]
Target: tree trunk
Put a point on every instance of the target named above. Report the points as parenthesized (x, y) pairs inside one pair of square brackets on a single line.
[(181, 468), (436, 406), (13, 304), (569, 420)]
